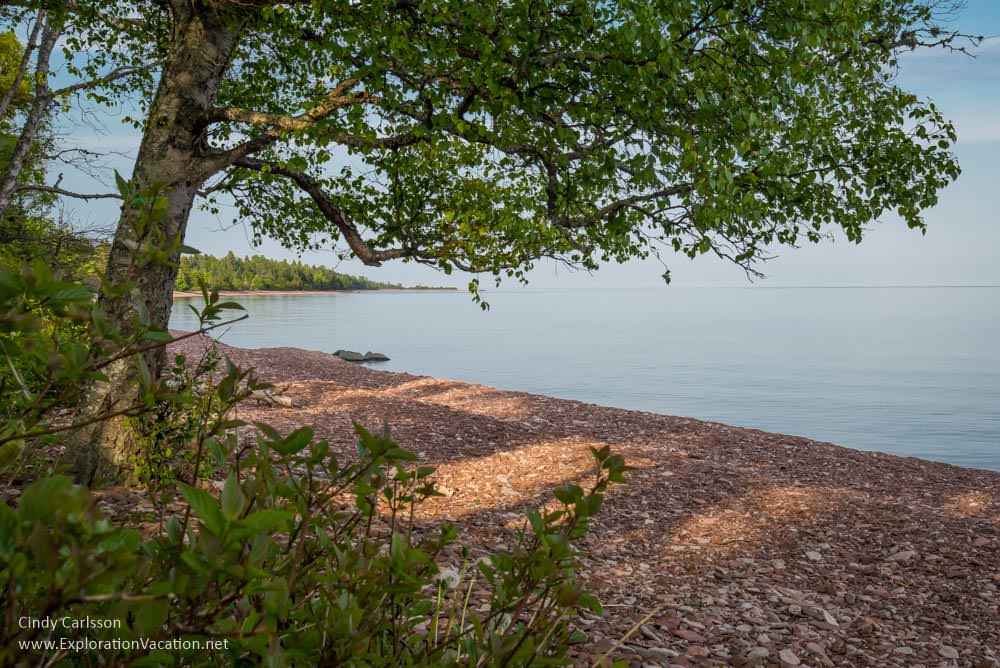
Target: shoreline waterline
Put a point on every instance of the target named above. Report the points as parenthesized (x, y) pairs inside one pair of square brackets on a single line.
[(913, 372), (179, 294)]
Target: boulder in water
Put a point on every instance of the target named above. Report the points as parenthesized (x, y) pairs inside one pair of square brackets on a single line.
[(353, 356)]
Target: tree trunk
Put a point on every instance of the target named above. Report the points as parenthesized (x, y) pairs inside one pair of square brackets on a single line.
[(39, 105), (170, 162), (22, 66)]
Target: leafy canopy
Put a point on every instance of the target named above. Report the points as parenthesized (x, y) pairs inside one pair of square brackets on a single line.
[(485, 135)]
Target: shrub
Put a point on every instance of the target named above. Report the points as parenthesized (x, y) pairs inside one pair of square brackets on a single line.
[(305, 556), (302, 559)]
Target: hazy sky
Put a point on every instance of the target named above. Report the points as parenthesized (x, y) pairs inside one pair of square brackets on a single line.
[(961, 246)]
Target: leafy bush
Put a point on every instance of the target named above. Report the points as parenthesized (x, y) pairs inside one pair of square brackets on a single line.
[(305, 556), (165, 432)]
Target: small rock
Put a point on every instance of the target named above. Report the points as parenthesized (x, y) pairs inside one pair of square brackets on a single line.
[(813, 555), (688, 635), (660, 654), (758, 653), (948, 652), (902, 556), (788, 658), (903, 650), (794, 609), (697, 651), (820, 613)]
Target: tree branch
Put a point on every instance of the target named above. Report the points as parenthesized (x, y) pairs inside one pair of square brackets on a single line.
[(65, 193), (330, 211), (277, 124), (338, 98), (114, 75)]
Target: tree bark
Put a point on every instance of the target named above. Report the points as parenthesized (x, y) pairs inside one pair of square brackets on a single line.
[(39, 105), (171, 163)]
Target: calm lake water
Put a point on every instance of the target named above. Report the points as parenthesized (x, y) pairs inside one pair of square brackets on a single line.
[(911, 371)]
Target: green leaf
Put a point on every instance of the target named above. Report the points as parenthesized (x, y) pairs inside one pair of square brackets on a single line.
[(269, 519), (233, 500), (9, 452), (204, 506), (294, 442)]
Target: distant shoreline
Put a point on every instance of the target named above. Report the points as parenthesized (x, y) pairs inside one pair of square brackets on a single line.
[(285, 293)]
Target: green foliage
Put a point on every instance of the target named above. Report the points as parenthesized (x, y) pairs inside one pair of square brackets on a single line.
[(56, 341), (591, 131), (306, 555), (260, 273), (325, 565), (485, 135), (165, 433), (11, 52), (43, 341), (28, 231)]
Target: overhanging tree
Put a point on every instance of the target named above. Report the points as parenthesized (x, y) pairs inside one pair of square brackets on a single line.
[(102, 75), (486, 135)]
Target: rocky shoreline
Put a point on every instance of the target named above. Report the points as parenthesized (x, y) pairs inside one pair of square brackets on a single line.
[(743, 548)]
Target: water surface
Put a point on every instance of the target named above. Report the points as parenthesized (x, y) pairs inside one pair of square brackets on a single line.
[(911, 371)]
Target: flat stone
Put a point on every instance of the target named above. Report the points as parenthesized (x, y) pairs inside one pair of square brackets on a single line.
[(788, 658), (948, 652), (813, 555), (697, 651), (904, 555), (660, 654), (688, 635)]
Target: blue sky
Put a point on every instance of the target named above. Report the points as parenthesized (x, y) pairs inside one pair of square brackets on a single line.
[(960, 247)]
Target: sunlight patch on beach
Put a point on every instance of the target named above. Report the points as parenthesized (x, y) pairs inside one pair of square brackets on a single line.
[(475, 399), (510, 478), (750, 518), (969, 504)]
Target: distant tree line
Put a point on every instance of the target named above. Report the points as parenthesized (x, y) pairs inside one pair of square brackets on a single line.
[(260, 273)]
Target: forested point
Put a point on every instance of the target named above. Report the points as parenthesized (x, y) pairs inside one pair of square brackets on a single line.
[(260, 273)]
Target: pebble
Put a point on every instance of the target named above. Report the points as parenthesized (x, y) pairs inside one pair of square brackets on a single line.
[(697, 651), (690, 636), (902, 556), (813, 555), (788, 658), (948, 652)]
